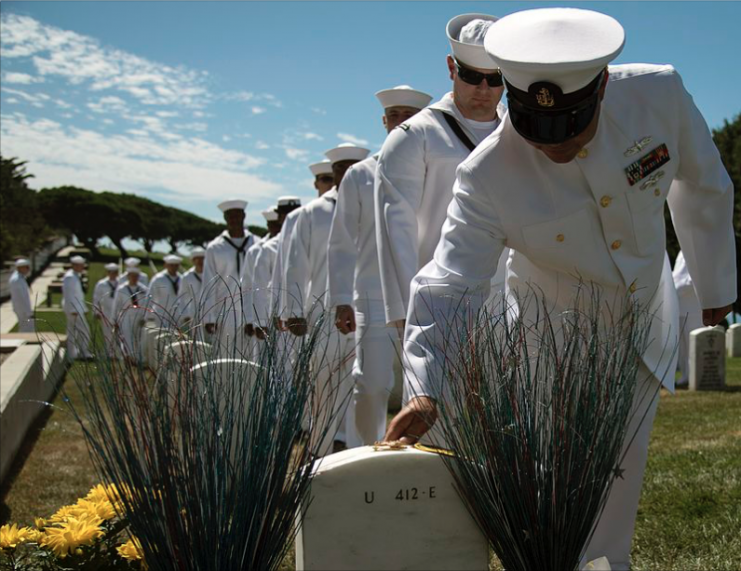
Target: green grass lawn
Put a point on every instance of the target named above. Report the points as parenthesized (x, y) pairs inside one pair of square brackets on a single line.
[(689, 517)]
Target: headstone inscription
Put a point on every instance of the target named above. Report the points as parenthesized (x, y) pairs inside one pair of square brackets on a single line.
[(707, 359), (380, 508), (733, 340)]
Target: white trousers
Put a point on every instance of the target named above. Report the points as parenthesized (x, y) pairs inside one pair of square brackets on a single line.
[(332, 366), (373, 376), (690, 318), (614, 531), (230, 340), (26, 325), (78, 336)]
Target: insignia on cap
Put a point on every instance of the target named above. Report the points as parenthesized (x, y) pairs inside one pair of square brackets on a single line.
[(544, 97), (546, 94)]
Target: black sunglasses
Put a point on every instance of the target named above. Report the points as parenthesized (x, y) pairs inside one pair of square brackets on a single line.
[(474, 77), (326, 178)]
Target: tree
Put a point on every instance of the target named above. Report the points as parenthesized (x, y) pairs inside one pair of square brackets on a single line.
[(22, 230)]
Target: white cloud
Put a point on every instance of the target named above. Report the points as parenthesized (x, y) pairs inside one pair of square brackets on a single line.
[(347, 138), (318, 111), (109, 104), (22, 78), (296, 154), (197, 126), (167, 114), (189, 169), (261, 145), (312, 137), (258, 110), (226, 138), (83, 61), (35, 99)]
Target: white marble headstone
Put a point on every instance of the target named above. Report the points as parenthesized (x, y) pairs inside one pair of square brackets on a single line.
[(707, 359), (387, 509), (733, 340)]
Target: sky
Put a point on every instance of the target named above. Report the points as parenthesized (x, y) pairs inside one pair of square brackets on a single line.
[(191, 103)]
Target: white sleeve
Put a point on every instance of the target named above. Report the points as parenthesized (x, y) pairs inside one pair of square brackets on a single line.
[(261, 297), (399, 185), (69, 295), (701, 205), (210, 286), (298, 267), (21, 299), (453, 285), (248, 284), (98, 294), (342, 255)]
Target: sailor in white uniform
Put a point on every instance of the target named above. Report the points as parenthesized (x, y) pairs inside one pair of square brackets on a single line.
[(225, 258), (355, 280), (272, 219), (20, 296), (164, 293), (416, 168), (133, 262), (306, 292), (690, 317), (75, 308), (130, 310), (191, 285), (103, 298), (575, 182)]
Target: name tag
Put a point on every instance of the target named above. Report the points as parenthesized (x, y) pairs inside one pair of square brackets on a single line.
[(647, 164)]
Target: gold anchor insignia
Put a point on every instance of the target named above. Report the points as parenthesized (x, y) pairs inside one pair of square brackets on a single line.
[(544, 98)]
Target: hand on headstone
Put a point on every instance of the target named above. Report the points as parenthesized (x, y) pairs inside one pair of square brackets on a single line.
[(414, 420), (297, 326), (712, 317), (249, 330), (210, 328), (345, 319)]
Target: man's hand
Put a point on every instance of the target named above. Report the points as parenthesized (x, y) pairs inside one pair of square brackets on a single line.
[(297, 326), (711, 317), (210, 328), (345, 319), (260, 333), (413, 421), (249, 330), (400, 325)]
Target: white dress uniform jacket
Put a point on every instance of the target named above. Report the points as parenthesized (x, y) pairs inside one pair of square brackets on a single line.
[(222, 271), (278, 281), (585, 219), (130, 310), (74, 307), (20, 299), (263, 294), (164, 292), (191, 287), (414, 182), (690, 315)]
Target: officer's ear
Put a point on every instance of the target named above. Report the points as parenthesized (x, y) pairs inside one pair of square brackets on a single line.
[(384, 121), (451, 67)]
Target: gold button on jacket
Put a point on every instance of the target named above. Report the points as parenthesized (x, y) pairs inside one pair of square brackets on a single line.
[(605, 201), (616, 245)]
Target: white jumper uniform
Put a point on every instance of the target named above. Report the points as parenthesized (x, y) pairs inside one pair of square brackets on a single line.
[(278, 280), (164, 292), (354, 279), (262, 290), (20, 299), (103, 298), (584, 219), (130, 308), (414, 185), (74, 307), (306, 289), (222, 271), (690, 315), (191, 286), (143, 278)]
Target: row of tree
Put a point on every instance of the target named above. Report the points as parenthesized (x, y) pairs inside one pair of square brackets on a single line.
[(28, 217)]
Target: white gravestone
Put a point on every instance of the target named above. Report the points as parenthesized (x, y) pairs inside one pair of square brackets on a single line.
[(707, 359), (733, 340), (376, 508)]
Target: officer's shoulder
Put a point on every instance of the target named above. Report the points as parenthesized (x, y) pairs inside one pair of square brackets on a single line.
[(414, 125), (641, 75)]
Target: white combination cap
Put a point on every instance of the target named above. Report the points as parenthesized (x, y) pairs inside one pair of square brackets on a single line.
[(22, 262), (133, 270), (197, 253), (77, 260), (466, 35), (270, 215), (111, 267), (233, 204), (566, 47), (172, 259), (346, 152), (291, 200), (403, 96), (322, 167), (129, 262)]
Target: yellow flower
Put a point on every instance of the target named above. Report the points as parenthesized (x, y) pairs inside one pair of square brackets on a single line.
[(12, 536), (131, 550), (70, 535), (40, 522), (102, 509)]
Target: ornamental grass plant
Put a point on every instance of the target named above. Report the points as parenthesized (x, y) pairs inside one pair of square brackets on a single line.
[(535, 412)]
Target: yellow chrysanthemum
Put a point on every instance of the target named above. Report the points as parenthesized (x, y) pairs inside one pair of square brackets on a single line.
[(72, 534), (11, 536), (104, 493), (102, 509), (131, 550), (40, 522)]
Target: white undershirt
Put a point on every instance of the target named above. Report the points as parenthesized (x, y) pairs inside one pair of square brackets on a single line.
[(482, 128)]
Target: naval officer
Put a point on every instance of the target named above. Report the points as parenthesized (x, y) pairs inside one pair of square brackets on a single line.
[(575, 182), (222, 272), (20, 296), (305, 297), (103, 298), (74, 307), (354, 277), (416, 168), (132, 262)]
